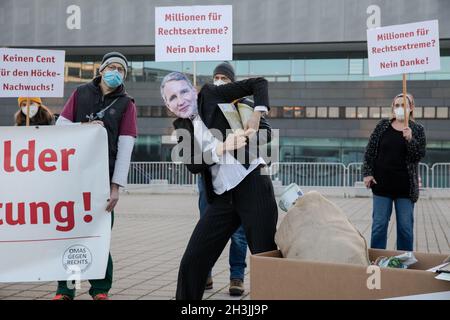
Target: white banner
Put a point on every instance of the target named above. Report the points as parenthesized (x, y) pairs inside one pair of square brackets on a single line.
[(53, 194), (31, 73), (406, 48), (194, 33)]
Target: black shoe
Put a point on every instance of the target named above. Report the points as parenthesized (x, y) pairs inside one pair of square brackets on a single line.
[(236, 287), (209, 283)]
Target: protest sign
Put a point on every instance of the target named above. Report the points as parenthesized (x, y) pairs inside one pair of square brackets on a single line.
[(193, 33), (53, 194), (31, 73), (401, 49)]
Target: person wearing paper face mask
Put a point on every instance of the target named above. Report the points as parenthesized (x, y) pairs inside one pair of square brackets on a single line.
[(104, 101), (39, 114), (223, 74), (237, 191), (391, 170)]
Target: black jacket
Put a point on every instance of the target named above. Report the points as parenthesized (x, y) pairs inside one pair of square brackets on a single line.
[(90, 100), (208, 99), (415, 152)]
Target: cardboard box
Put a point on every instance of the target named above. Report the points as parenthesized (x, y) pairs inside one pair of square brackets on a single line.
[(273, 277)]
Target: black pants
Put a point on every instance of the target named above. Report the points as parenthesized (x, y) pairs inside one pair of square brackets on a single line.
[(251, 203)]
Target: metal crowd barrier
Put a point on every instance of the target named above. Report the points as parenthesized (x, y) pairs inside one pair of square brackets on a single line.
[(315, 174)]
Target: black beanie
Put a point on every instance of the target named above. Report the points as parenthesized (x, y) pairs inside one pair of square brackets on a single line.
[(226, 69), (116, 57)]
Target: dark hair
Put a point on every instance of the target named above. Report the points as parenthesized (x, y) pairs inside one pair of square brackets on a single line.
[(43, 117)]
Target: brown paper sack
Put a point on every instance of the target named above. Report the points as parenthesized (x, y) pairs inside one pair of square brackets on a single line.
[(315, 229)]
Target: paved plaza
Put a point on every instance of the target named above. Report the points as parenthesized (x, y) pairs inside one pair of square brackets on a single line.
[(151, 231)]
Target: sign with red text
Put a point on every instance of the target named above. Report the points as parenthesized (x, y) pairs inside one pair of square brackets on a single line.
[(406, 48), (53, 195), (31, 73), (194, 33)]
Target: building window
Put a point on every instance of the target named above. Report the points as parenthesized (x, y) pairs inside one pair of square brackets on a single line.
[(356, 66), (310, 112), (326, 66), (418, 112), (363, 112), (137, 71), (322, 112), (144, 111), (142, 68), (87, 70), (299, 112), (73, 70), (288, 112), (374, 112), (429, 112), (333, 112), (442, 113), (270, 67), (350, 112), (386, 112), (156, 111)]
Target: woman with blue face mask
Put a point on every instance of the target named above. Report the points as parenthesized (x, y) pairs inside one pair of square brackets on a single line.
[(104, 101), (391, 170)]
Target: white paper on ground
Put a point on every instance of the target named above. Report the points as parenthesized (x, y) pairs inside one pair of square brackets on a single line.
[(434, 269), (443, 276)]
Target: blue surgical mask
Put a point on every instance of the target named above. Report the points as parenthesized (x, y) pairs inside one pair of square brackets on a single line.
[(113, 78)]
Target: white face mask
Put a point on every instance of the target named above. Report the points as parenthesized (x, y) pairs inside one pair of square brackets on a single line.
[(400, 113), (33, 110), (219, 82)]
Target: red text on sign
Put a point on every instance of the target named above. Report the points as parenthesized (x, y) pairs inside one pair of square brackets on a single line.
[(24, 160)]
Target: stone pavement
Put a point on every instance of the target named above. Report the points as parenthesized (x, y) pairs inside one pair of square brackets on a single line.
[(151, 231)]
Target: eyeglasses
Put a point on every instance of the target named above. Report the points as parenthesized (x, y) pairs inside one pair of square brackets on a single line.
[(111, 67)]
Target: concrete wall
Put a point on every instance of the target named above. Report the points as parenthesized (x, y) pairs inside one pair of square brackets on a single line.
[(131, 23)]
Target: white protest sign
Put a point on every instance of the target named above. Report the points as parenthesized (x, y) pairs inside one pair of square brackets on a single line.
[(194, 33), (401, 49), (53, 194), (31, 73)]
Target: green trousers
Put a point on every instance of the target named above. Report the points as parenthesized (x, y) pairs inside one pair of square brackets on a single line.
[(97, 286)]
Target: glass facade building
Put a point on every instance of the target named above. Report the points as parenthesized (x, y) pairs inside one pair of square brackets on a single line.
[(315, 58)]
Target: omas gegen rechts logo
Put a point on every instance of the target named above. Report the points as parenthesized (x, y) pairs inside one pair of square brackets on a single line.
[(77, 257)]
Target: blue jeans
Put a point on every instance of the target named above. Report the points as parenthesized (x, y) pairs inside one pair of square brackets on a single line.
[(404, 212), (238, 247)]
